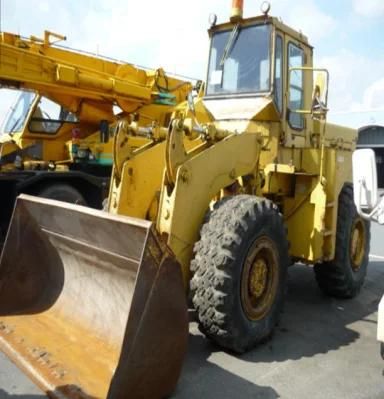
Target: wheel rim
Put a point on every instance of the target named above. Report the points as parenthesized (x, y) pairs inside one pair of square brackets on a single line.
[(357, 244), (259, 279)]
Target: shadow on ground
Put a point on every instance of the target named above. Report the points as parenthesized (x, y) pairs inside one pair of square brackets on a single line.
[(311, 324), (204, 379)]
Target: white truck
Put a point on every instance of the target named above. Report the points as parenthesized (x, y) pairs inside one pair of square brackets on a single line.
[(369, 206)]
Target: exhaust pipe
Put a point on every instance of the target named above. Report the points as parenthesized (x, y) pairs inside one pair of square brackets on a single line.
[(237, 10)]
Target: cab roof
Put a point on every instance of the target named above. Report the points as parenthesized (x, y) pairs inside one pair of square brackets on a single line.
[(262, 19)]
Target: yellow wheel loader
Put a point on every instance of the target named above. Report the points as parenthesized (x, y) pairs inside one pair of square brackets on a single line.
[(248, 178), (56, 140)]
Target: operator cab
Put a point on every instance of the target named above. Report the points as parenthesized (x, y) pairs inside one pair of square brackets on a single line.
[(36, 115), (250, 64)]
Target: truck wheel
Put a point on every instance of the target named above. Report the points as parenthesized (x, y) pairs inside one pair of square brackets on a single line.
[(62, 192), (240, 269), (344, 275)]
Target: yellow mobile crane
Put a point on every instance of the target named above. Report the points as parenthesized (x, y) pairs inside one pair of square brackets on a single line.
[(95, 305), (56, 140)]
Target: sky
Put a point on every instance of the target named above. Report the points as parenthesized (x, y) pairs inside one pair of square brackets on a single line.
[(348, 37)]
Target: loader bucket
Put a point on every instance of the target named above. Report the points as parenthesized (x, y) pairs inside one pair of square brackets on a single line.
[(91, 305)]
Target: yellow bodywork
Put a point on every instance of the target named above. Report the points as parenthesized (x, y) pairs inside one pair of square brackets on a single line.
[(129, 276), (302, 171)]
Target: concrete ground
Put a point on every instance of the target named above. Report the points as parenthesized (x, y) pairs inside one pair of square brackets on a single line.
[(323, 348)]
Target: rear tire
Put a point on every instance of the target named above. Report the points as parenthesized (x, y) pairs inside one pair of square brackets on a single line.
[(62, 192), (240, 269), (344, 276)]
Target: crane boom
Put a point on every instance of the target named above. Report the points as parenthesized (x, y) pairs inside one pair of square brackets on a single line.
[(73, 78)]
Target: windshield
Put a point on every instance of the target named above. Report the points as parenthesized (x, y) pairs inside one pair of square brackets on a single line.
[(19, 112), (239, 61)]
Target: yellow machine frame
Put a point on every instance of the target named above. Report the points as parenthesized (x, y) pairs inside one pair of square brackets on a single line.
[(233, 188)]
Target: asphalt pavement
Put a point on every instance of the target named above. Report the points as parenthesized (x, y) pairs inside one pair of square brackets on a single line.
[(323, 349)]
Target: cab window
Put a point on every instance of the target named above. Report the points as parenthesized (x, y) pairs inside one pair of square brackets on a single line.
[(296, 86), (239, 61), (278, 94), (49, 116), (15, 120)]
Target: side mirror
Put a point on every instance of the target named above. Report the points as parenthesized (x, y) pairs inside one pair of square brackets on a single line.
[(199, 86), (296, 78), (104, 131), (365, 179), (191, 104), (320, 91)]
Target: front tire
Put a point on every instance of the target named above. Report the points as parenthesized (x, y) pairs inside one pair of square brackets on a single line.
[(240, 269), (344, 276)]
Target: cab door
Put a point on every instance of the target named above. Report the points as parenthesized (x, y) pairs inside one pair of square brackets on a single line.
[(298, 90)]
